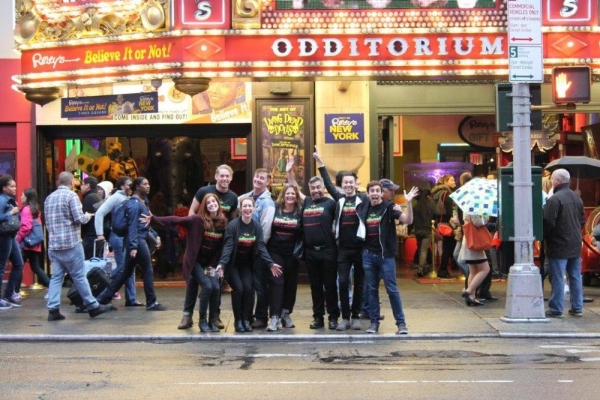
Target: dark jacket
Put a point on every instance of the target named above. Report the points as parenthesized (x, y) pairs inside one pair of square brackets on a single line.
[(232, 235), (89, 199), (563, 221), (423, 213), (136, 230), (7, 203), (194, 225), (387, 226), (443, 190)]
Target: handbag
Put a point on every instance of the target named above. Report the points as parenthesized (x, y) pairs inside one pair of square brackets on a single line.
[(478, 237), (444, 229), (11, 226), (35, 236)]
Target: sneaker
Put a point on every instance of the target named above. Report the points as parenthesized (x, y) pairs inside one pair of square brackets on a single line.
[(55, 315), (279, 324), (287, 322), (342, 326), (218, 323), (356, 324), (317, 323), (551, 314), (101, 309), (117, 296), (373, 328), (156, 307), (5, 305), (13, 301), (18, 296), (402, 329), (273, 324), (575, 313), (333, 324)]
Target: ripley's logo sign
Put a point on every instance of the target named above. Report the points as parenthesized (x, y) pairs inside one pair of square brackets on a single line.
[(570, 11)]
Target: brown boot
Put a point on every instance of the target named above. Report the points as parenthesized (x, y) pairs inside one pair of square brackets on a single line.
[(186, 322)]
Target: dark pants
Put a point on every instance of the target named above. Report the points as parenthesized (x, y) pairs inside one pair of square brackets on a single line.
[(346, 258), (9, 250), (242, 293), (260, 281), (35, 262), (209, 296), (322, 273), (448, 244), (144, 260), (282, 288)]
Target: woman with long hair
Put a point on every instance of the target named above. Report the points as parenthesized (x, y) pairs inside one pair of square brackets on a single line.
[(9, 247), (242, 247), (286, 232), (204, 242), (137, 250), (29, 213)]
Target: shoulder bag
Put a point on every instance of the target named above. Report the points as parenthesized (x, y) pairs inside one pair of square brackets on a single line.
[(11, 226), (478, 237), (35, 236)]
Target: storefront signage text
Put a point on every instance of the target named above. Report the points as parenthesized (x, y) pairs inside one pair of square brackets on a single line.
[(344, 128), (283, 121), (113, 106), (478, 131)]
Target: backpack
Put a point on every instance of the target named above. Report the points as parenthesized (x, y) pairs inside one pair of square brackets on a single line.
[(439, 198), (118, 218)]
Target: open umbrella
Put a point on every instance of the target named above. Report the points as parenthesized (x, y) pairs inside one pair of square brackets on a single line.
[(578, 166), (478, 196)]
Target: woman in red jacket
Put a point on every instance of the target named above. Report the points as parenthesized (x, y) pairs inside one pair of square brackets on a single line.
[(203, 247)]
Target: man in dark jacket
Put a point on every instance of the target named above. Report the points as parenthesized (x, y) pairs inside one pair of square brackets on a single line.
[(563, 221), (89, 189)]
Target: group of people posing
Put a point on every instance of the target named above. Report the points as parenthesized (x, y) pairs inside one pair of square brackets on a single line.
[(252, 241)]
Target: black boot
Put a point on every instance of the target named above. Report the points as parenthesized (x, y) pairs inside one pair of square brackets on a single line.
[(247, 326), (239, 327), (204, 326), (55, 315)]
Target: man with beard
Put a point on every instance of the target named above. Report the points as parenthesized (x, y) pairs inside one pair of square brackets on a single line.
[(320, 252)]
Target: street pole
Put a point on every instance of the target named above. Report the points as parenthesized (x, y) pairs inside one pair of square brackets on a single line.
[(524, 295)]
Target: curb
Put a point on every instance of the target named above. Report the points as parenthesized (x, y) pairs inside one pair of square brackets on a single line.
[(292, 338)]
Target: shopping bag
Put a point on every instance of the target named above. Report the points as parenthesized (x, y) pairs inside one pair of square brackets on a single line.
[(478, 237)]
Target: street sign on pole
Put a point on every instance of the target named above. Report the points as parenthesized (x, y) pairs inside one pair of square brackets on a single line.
[(524, 19), (525, 64)]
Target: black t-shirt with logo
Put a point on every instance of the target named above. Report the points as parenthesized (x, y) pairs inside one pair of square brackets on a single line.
[(229, 200), (317, 221), (211, 244), (348, 224), (374, 216), (284, 232), (246, 242)]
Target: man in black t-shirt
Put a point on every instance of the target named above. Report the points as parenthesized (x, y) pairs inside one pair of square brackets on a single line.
[(229, 204), (346, 225), (320, 251)]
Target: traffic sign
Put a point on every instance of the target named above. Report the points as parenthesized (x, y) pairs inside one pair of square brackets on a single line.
[(525, 64), (524, 20)]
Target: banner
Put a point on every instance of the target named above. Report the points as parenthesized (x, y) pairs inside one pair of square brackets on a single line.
[(109, 106), (344, 128)]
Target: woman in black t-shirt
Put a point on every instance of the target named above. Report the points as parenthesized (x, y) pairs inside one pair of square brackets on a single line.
[(242, 245), (285, 234)]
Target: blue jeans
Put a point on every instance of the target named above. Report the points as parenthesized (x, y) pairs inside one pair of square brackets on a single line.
[(209, 296), (556, 273), (377, 267), (116, 242), (69, 261), (9, 250)]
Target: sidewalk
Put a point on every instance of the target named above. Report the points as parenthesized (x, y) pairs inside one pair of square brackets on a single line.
[(433, 311)]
